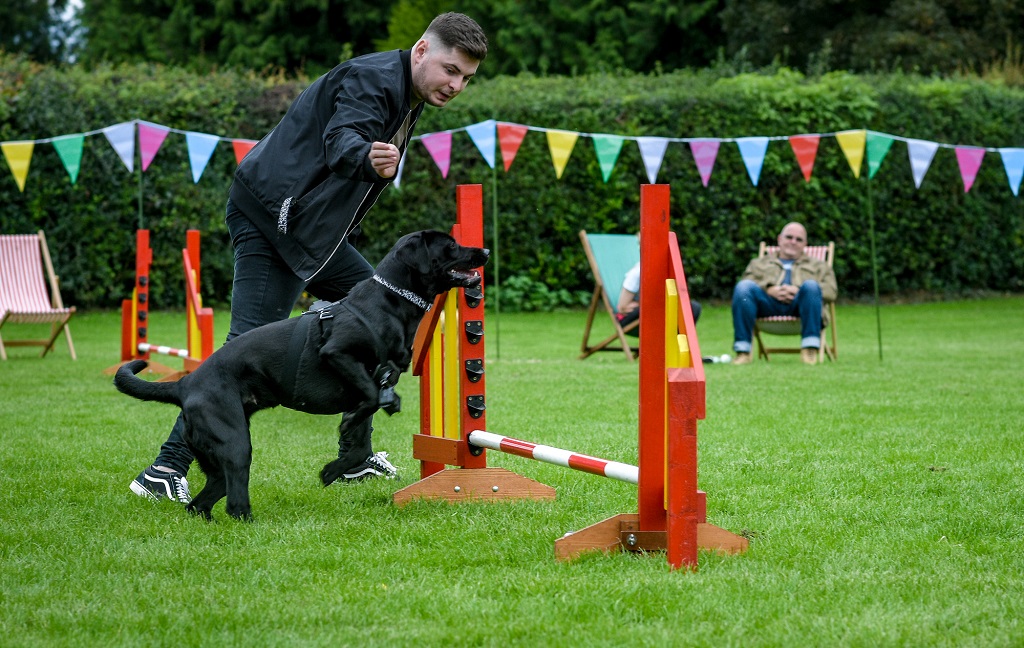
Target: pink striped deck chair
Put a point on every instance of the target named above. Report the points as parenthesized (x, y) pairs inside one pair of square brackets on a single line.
[(24, 298), (787, 325)]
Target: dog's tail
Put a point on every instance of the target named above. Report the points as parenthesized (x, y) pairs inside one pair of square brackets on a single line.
[(128, 383)]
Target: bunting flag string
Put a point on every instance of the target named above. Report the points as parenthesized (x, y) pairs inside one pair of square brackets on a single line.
[(491, 136)]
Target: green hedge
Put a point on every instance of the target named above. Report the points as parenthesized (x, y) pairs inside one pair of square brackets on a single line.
[(934, 239)]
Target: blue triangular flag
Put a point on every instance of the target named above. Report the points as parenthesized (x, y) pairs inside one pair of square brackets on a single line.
[(752, 150), (200, 149), (485, 136)]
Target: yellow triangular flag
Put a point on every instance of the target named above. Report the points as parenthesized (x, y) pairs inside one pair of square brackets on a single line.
[(852, 143), (561, 143), (18, 155)]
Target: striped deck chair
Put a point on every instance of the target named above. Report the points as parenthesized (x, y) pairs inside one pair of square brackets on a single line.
[(24, 298), (790, 325), (610, 257)]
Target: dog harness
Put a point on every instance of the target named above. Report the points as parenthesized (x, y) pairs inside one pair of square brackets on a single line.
[(386, 375)]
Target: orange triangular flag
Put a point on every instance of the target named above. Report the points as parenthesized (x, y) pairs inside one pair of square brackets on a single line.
[(242, 146), (510, 136), (806, 149)]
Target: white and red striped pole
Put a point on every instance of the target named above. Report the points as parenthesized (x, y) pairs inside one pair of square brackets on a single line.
[(145, 347), (547, 454)]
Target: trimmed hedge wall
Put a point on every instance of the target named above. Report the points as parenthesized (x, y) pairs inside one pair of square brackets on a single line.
[(935, 239)]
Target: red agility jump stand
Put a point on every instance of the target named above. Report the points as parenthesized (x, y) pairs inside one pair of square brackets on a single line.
[(135, 343), (448, 357)]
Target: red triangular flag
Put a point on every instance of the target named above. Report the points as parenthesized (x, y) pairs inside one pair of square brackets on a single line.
[(242, 146), (510, 136), (806, 149)]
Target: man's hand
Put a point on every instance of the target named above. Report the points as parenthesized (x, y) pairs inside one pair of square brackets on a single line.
[(385, 158), (784, 294)]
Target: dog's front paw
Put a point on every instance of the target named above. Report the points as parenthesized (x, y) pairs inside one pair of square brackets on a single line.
[(203, 513)]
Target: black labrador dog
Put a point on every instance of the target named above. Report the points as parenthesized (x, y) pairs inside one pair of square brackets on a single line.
[(344, 358)]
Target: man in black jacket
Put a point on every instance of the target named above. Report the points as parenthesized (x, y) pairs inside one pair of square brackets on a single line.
[(300, 192)]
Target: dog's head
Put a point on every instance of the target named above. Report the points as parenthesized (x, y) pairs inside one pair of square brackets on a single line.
[(433, 263)]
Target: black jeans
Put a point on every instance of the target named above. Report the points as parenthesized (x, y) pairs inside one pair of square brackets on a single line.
[(264, 290)]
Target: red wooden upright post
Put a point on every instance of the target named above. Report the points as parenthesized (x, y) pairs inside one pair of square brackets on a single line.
[(470, 219), (143, 260), (654, 226)]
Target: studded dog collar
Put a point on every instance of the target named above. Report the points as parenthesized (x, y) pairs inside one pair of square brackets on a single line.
[(408, 294)]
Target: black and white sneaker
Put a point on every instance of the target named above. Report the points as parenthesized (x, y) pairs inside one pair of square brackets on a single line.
[(156, 485), (376, 465)]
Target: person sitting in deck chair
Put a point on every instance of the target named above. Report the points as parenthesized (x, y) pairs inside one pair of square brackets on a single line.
[(629, 301)]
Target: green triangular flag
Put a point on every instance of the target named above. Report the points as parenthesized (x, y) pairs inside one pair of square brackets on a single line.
[(878, 145), (607, 148), (69, 148)]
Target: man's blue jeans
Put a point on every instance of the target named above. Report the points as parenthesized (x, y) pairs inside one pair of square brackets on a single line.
[(749, 302), (264, 290)]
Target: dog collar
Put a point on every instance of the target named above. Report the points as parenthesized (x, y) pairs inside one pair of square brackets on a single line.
[(408, 294)]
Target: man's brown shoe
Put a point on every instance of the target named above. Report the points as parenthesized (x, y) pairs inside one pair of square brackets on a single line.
[(742, 358), (809, 355)]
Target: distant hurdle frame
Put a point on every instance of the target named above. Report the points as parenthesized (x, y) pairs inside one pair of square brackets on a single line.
[(448, 356), (135, 343)]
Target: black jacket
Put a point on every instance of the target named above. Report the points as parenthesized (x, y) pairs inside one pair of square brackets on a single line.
[(309, 182)]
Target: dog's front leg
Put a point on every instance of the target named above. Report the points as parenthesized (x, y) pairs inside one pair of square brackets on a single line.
[(354, 446), (356, 426)]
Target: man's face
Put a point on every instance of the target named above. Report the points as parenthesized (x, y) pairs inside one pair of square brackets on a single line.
[(439, 74), (792, 241)]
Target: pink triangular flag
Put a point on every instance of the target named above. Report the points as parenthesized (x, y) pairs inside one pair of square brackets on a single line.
[(151, 138), (969, 159), (439, 145), (805, 147), (704, 153), (510, 136)]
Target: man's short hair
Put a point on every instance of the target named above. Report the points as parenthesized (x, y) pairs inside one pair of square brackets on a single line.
[(455, 30)]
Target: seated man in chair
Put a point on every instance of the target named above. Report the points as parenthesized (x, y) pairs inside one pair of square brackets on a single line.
[(629, 301), (789, 283)]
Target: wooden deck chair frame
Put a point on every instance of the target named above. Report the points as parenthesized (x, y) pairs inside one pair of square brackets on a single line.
[(27, 296), (790, 325), (610, 256)]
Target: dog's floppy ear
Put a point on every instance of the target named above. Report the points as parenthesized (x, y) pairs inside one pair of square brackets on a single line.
[(414, 251)]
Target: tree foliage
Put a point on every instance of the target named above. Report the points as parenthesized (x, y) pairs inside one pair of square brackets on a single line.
[(929, 36), (293, 35), (36, 28), (937, 238), (536, 36)]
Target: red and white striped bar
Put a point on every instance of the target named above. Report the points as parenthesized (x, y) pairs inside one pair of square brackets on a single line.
[(547, 454), (145, 347)]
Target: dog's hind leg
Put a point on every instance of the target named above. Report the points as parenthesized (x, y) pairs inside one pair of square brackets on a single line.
[(220, 440), (354, 446)]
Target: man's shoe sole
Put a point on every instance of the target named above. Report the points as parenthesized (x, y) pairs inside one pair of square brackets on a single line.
[(362, 474), (142, 491)]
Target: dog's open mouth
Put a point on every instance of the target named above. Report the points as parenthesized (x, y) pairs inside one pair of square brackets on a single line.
[(464, 278)]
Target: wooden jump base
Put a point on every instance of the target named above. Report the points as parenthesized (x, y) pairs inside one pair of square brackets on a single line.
[(135, 343), (448, 356)]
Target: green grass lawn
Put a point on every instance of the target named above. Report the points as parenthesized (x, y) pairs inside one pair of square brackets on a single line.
[(884, 502)]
